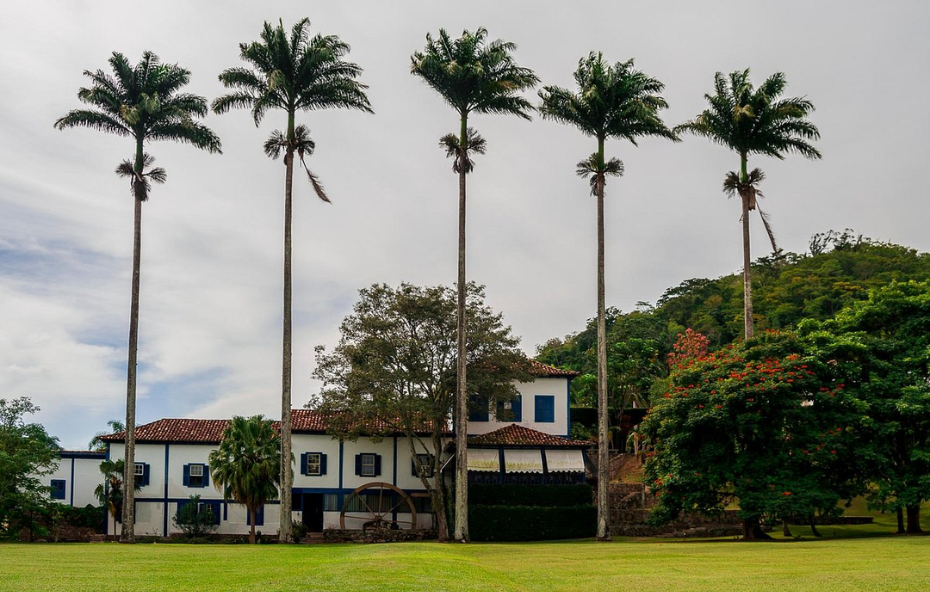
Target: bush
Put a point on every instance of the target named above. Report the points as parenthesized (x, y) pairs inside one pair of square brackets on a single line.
[(530, 495), (527, 523), (195, 520)]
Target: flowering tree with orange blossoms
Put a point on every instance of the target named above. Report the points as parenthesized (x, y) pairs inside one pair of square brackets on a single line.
[(761, 424)]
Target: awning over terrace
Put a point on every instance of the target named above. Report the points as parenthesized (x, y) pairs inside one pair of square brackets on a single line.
[(484, 460), (565, 461), (522, 461)]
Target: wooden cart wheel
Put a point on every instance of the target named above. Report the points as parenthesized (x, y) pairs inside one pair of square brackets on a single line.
[(377, 515)]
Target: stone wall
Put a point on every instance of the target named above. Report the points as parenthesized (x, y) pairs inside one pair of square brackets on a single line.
[(335, 535)]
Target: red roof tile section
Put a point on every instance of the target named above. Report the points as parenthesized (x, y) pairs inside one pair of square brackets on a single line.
[(546, 371), (211, 430), (518, 435)]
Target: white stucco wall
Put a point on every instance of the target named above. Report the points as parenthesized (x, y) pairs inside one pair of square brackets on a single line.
[(556, 387), (81, 477)]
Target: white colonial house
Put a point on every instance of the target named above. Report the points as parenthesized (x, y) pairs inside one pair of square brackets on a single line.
[(75, 477), (346, 484)]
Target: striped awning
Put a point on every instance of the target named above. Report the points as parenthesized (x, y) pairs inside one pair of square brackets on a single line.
[(565, 461), (523, 461), (484, 460)]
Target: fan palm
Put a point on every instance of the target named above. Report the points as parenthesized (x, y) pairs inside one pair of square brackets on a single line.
[(750, 120), (246, 466), (620, 102), (143, 102), (293, 73), (472, 75)]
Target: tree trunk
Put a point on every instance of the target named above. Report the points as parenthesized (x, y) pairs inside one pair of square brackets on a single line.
[(439, 492), (747, 260), (287, 477), (785, 530), (603, 441), (900, 513), (752, 530), (913, 520), (813, 525), (252, 518), (127, 532), (461, 389)]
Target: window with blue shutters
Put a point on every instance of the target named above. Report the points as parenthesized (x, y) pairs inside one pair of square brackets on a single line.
[(510, 410), (478, 409), (545, 409), (259, 517), (426, 461), (58, 489), (313, 464), (196, 475), (368, 464), (141, 473)]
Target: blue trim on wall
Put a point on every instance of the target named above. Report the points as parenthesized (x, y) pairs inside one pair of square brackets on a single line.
[(394, 478), (568, 406), (81, 454), (500, 456), (71, 501), (165, 531)]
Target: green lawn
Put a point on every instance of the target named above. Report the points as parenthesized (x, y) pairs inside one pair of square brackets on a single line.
[(853, 563)]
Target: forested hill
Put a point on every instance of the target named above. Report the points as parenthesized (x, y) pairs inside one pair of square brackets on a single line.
[(839, 269)]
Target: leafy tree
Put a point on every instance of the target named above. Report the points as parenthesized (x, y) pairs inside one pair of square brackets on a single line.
[(143, 102), (394, 371), (473, 76), (292, 73), (110, 492), (195, 521), (611, 102), (246, 466), (97, 443), (763, 423), (886, 362), (27, 453), (751, 120)]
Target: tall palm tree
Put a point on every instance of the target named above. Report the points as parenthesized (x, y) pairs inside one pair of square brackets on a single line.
[(246, 466), (143, 102), (611, 102), (472, 75), (293, 73), (751, 120)]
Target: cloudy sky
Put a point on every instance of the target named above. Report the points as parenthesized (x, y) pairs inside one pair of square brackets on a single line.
[(212, 239)]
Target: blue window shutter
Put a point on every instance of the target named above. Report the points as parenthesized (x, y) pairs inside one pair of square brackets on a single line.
[(517, 407), (303, 463), (322, 464), (145, 473), (479, 408), (377, 464), (206, 475), (358, 464), (181, 504), (215, 510), (57, 489), (259, 517), (187, 475), (545, 408)]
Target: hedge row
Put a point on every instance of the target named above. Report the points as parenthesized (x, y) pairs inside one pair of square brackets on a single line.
[(530, 495), (525, 523)]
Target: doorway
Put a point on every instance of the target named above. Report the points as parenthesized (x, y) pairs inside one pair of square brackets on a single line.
[(313, 511)]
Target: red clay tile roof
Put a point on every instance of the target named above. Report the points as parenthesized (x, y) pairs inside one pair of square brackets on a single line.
[(546, 371), (518, 435), (210, 431)]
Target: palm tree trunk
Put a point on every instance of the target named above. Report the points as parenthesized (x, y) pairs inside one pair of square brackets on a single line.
[(603, 460), (127, 533), (286, 474), (251, 525), (747, 260), (461, 388)]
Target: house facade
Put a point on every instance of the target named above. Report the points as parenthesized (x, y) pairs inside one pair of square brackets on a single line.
[(75, 477), (172, 463)]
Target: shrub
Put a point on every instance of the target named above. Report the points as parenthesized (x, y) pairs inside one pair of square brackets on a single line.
[(527, 523), (195, 520), (530, 495)]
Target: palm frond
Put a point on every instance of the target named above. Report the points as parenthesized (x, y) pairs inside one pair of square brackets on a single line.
[(592, 170), (452, 144)]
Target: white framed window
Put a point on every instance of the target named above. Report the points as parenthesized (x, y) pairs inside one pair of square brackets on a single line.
[(196, 475), (426, 461), (368, 465), (139, 469), (196, 470), (314, 463)]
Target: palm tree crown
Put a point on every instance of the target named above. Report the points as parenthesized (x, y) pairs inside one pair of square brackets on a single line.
[(612, 101), (474, 75), (143, 102), (752, 120), (293, 72)]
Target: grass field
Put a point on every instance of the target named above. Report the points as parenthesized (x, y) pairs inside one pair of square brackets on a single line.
[(848, 559)]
